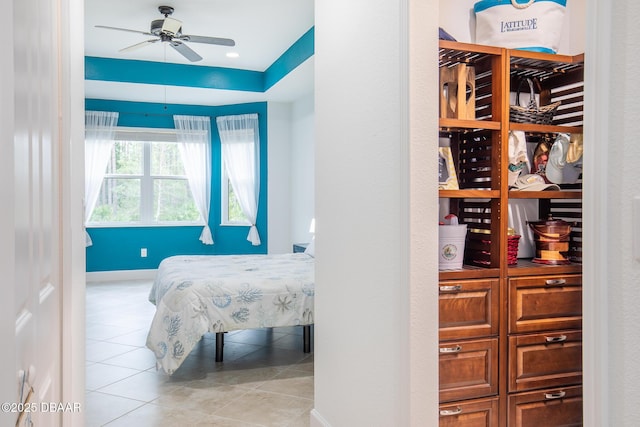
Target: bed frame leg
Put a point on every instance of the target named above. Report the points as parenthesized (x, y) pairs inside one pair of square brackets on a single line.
[(306, 336), (219, 345)]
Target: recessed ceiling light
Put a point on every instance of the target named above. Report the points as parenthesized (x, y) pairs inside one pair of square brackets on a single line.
[(232, 54)]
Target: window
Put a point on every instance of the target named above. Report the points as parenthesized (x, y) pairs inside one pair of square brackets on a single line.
[(240, 149), (231, 211), (145, 182)]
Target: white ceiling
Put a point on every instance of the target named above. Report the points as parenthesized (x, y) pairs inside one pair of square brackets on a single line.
[(262, 30)]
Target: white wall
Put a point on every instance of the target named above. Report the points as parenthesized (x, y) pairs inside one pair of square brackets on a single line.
[(279, 177), (302, 168), (291, 172), (375, 316), (612, 271), (358, 214)]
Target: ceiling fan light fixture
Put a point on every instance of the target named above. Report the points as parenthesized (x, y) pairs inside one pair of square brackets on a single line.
[(171, 26)]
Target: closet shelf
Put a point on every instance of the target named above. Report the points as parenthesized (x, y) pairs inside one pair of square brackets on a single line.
[(533, 128), (462, 125), (469, 194), (545, 195)]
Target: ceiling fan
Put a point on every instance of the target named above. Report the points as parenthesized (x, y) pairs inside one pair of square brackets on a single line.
[(170, 30)]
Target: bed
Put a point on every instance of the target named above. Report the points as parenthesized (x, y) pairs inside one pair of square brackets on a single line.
[(194, 295)]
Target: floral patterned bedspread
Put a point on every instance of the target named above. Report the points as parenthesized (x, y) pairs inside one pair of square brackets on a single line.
[(219, 293)]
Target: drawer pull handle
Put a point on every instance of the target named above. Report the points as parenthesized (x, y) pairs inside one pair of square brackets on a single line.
[(456, 349), (450, 412), (450, 288), (555, 395), (561, 338), (556, 282)]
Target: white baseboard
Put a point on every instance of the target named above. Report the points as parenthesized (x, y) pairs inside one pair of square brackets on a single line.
[(317, 420), (110, 276)]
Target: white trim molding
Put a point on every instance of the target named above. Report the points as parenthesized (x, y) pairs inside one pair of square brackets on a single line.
[(119, 275), (595, 183), (317, 420)]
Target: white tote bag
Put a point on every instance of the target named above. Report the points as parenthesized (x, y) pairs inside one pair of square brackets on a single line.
[(520, 24)]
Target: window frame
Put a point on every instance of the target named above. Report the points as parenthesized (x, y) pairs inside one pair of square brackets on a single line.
[(146, 136)]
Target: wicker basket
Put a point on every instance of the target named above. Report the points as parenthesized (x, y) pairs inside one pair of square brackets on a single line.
[(532, 113)]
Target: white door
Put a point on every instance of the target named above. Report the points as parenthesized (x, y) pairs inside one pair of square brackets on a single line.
[(31, 143)]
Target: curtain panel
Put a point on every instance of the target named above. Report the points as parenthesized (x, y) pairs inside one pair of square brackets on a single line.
[(240, 141), (194, 142), (100, 127)]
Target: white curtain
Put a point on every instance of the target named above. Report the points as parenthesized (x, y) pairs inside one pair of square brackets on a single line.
[(241, 150), (100, 128), (194, 142)]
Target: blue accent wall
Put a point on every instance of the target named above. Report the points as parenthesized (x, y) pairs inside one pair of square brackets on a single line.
[(118, 248), (299, 52), (149, 72)]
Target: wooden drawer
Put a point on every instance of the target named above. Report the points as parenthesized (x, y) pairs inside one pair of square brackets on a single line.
[(545, 360), (468, 369), (543, 303), (468, 309), (548, 408), (474, 413)]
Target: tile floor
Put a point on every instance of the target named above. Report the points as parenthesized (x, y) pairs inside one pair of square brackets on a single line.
[(265, 379)]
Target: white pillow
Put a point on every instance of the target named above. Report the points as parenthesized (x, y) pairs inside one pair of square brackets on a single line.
[(311, 248)]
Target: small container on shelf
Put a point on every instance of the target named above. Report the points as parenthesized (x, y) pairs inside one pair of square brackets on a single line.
[(479, 247), (552, 241), (451, 238), (513, 240)]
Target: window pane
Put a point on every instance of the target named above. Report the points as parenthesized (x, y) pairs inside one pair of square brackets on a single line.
[(166, 159), (172, 201), (235, 213), (126, 158), (119, 201)]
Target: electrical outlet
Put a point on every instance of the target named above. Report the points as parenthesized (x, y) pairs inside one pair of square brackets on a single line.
[(143, 252)]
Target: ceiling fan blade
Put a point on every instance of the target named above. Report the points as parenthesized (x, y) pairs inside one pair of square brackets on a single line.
[(124, 29), (138, 45), (185, 51), (208, 40)]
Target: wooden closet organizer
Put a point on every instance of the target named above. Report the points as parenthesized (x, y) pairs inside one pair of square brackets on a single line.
[(510, 335)]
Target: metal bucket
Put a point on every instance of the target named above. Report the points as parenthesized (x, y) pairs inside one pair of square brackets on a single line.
[(552, 238)]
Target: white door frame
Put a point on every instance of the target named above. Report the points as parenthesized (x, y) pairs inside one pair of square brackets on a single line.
[(72, 230), (7, 243), (595, 249)]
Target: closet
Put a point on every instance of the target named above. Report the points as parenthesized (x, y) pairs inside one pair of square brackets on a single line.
[(510, 328)]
